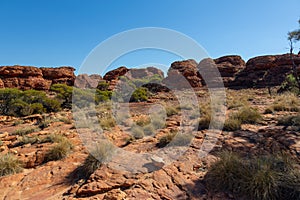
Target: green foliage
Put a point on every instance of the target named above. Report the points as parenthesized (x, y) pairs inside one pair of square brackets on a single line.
[(264, 177), (103, 86), (9, 164), (22, 103), (102, 96), (290, 85), (139, 95)]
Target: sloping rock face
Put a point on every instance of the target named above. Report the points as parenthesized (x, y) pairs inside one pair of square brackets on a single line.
[(87, 81), (229, 66), (183, 74), (265, 71), (28, 77)]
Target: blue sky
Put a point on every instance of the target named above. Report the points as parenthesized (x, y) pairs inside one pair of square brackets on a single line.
[(64, 32)]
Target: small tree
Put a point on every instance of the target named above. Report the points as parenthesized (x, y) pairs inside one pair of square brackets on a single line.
[(293, 37)]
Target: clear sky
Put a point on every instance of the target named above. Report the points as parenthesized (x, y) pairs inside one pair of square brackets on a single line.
[(63, 32)]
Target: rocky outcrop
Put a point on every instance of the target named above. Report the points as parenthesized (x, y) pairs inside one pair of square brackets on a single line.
[(144, 73), (265, 71), (115, 74), (87, 81), (228, 67), (28, 77), (61, 75), (183, 74), (1, 84), (112, 76)]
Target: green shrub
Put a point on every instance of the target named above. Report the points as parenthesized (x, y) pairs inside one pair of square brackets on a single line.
[(290, 84), (264, 177), (165, 140), (22, 103), (103, 86), (139, 95), (25, 131), (102, 96), (9, 164)]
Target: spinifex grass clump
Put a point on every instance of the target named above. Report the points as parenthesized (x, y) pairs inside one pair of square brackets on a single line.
[(59, 150), (100, 154), (264, 177), (285, 102), (9, 164)]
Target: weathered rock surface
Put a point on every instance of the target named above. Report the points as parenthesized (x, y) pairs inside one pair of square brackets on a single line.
[(87, 81), (183, 74), (229, 66), (264, 71), (62, 75), (28, 77), (144, 73), (1, 84)]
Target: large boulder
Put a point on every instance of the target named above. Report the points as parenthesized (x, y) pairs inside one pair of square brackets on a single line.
[(183, 74), (266, 71), (115, 74), (87, 81)]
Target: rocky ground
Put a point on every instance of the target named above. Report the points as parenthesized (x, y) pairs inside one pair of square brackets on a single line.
[(182, 179)]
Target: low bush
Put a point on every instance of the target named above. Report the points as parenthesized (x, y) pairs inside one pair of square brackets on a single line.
[(139, 95), (22, 103), (9, 164), (265, 177)]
